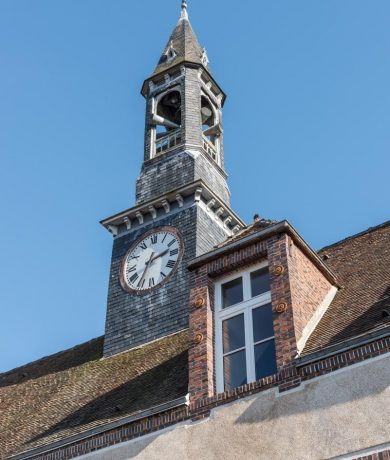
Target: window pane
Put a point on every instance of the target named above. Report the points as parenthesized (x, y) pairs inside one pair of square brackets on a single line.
[(262, 323), (233, 333), (234, 370), (232, 293), (260, 282), (265, 359)]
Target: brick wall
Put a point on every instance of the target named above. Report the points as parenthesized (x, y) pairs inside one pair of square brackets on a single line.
[(308, 287)]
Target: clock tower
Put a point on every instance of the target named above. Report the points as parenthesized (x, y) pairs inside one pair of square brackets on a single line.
[(182, 204)]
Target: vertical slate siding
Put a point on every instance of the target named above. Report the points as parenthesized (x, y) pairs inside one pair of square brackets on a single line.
[(215, 178), (164, 174), (134, 320), (208, 232)]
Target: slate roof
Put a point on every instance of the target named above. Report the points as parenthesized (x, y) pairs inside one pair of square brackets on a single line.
[(183, 40), (362, 266), (75, 390)]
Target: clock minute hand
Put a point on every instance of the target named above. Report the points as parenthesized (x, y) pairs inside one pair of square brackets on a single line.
[(146, 269)]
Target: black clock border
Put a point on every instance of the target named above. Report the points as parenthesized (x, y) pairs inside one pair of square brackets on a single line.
[(122, 278)]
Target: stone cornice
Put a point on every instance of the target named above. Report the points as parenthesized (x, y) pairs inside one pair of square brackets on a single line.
[(196, 193)]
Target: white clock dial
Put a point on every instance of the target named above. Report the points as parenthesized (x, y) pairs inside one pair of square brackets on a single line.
[(151, 260)]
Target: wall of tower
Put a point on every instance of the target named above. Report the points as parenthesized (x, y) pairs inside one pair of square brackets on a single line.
[(163, 174), (191, 116), (176, 169), (213, 176), (133, 320)]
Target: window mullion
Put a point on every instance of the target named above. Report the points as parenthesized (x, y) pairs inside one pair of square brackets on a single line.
[(249, 346), (220, 384), (246, 286)]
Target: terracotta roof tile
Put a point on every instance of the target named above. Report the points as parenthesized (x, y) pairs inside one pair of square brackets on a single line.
[(74, 391)]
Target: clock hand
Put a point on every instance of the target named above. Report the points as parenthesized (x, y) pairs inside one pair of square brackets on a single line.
[(145, 270), (159, 255)]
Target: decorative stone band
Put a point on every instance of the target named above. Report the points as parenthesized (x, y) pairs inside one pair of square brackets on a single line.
[(170, 203)]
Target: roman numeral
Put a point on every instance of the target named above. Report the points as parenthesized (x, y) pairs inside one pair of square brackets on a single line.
[(134, 277), (164, 237), (134, 257), (170, 263), (141, 285), (131, 269), (163, 275), (153, 239), (172, 242), (174, 252), (151, 282), (143, 246)]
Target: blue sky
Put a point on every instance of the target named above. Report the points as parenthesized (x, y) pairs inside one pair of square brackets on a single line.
[(306, 136)]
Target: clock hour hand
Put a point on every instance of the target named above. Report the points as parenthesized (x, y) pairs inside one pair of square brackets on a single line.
[(158, 255)]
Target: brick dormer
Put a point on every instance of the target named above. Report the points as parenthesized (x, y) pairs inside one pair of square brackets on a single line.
[(299, 290)]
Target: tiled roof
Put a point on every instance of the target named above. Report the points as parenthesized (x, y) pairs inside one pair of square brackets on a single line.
[(186, 46), (362, 266), (75, 390)]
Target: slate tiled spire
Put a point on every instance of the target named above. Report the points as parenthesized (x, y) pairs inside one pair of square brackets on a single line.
[(185, 45)]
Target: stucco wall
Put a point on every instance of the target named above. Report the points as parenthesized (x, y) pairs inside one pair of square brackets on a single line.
[(340, 413)]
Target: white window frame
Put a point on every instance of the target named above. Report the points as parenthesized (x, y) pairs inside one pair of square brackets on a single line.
[(246, 307)]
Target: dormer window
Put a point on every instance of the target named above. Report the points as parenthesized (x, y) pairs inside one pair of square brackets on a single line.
[(245, 345), (170, 54)]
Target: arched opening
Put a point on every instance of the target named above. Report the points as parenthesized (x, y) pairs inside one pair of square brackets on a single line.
[(169, 111), (208, 117), (167, 120), (210, 127)]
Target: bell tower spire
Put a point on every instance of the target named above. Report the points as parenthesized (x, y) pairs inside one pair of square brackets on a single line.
[(182, 205), (183, 119)]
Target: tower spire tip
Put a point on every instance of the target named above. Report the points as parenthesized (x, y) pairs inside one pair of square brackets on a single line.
[(184, 13)]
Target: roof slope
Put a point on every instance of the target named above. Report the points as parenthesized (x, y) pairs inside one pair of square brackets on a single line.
[(362, 266), (75, 390), (186, 46)]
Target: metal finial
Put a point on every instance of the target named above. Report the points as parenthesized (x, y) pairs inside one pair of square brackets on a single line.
[(184, 14)]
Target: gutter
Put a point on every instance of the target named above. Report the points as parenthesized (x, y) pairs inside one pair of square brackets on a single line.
[(281, 227), (183, 401)]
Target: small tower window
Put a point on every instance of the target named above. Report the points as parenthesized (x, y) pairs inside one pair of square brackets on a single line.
[(167, 121), (169, 54)]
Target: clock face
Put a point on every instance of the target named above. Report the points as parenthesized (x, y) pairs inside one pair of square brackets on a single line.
[(151, 260)]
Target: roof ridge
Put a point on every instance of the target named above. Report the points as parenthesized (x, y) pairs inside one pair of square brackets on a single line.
[(44, 358), (356, 235)]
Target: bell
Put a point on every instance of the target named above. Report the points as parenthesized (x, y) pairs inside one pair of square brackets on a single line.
[(206, 114)]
